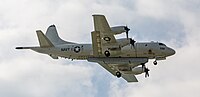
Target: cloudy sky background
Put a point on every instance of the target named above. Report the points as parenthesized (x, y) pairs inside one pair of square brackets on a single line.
[(29, 74)]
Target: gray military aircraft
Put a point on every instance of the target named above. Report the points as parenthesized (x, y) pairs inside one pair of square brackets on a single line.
[(121, 57)]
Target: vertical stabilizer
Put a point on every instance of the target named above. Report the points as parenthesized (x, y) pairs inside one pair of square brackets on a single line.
[(53, 36)]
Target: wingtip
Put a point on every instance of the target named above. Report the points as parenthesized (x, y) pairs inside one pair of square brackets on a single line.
[(97, 15), (38, 31)]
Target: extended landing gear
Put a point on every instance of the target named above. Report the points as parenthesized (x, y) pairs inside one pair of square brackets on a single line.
[(155, 62), (107, 53), (146, 70), (118, 74)]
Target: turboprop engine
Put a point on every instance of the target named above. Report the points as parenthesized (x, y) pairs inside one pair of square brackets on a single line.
[(140, 70), (137, 70), (118, 29), (123, 42), (121, 29)]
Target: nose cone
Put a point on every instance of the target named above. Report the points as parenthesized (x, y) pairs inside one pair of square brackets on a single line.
[(170, 52)]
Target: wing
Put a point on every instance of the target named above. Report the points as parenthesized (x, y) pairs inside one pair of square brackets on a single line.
[(101, 25), (102, 36), (123, 65), (130, 77), (127, 77)]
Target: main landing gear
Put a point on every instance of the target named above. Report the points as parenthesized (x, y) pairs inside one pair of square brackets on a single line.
[(155, 62), (118, 74), (107, 53), (146, 70)]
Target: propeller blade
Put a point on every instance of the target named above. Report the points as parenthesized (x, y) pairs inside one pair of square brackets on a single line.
[(126, 34), (146, 70), (127, 29), (132, 42)]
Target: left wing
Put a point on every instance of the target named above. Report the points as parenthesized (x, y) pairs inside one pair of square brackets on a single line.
[(102, 36), (101, 25)]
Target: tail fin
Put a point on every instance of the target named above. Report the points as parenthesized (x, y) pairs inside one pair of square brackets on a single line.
[(52, 35)]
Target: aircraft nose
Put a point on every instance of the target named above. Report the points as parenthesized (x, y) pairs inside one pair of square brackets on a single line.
[(171, 51)]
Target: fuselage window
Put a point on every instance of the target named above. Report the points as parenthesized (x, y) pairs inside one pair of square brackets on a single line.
[(162, 48)]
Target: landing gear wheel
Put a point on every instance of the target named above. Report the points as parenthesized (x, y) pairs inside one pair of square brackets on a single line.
[(118, 74), (107, 53), (155, 62)]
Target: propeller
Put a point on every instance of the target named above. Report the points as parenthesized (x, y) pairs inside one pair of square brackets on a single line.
[(126, 29), (146, 70), (132, 42)]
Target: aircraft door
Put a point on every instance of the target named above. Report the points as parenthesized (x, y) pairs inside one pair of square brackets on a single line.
[(152, 50), (146, 50), (141, 49)]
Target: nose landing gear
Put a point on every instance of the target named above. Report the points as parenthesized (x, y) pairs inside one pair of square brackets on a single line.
[(155, 62)]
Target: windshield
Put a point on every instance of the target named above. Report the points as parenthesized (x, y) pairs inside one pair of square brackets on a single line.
[(162, 44)]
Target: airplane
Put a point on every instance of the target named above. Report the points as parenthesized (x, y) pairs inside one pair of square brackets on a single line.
[(122, 57)]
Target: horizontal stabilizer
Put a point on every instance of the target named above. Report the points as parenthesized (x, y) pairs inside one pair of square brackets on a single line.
[(43, 40), (53, 56), (19, 48)]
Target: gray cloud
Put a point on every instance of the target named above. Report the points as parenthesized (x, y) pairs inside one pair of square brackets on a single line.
[(39, 78)]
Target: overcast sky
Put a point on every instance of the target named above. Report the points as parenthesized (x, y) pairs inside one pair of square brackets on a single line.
[(28, 74)]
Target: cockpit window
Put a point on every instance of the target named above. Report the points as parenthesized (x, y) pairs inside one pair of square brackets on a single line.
[(162, 44)]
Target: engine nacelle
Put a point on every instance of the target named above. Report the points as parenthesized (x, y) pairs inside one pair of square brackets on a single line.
[(118, 29), (123, 42), (137, 70), (120, 44)]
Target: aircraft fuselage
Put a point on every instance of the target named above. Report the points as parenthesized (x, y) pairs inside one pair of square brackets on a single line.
[(149, 50)]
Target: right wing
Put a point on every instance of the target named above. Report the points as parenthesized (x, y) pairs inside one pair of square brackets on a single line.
[(127, 77), (123, 65), (130, 77)]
